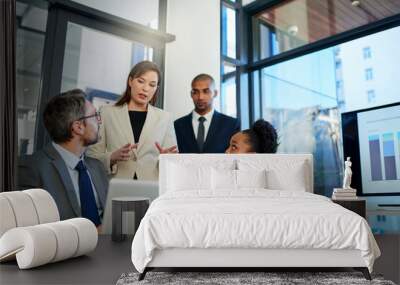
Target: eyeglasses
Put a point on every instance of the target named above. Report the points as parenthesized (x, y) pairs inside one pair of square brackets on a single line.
[(96, 114)]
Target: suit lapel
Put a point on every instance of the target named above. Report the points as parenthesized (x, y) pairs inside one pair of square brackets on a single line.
[(124, 122), (148, 127), (213, 129), (63, 173)]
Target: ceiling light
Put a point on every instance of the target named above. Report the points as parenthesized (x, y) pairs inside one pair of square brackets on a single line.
[(355, 3)]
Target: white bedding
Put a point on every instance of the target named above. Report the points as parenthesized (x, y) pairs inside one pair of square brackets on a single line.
[(252, 218)]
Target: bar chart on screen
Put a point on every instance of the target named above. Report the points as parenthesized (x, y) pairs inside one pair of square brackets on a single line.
[(389, 168), (379, 142)]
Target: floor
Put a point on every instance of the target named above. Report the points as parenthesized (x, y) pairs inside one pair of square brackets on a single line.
[(389, 262), (103, 266), (110, 260)]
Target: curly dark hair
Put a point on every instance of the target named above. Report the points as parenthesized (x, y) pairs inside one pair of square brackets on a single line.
[(263, 137)]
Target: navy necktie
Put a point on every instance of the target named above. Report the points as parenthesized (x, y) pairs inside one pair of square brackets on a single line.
[(86, 195), (200, 133)]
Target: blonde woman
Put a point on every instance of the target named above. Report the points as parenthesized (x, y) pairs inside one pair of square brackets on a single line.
[(134, 132)]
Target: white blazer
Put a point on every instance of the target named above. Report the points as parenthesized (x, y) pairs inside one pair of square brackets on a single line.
[(116, 131)]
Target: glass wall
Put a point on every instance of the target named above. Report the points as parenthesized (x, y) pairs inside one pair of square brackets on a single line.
[(228, 97), (304, 97), (227, 101), (83, 60), (31, 28), (89, 66), (228, 31)]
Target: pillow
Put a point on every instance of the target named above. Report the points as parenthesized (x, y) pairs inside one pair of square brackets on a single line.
[(223, 179), (292, 177), (226, 179), (187, 177), (281, 174), (251, 178)]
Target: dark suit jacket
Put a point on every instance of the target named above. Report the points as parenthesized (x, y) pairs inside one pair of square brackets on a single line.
[(221, 129), (46, 169)]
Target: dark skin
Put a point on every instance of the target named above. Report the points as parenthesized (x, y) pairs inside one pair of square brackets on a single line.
[(239, 143), (203, 94)]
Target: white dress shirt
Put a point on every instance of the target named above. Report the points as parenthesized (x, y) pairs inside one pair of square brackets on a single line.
[(71, 160), (207, 122)]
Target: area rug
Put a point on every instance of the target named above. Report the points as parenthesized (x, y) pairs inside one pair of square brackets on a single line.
[(269, 278)]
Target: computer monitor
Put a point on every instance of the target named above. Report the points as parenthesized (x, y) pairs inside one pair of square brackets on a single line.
[(371, 137)]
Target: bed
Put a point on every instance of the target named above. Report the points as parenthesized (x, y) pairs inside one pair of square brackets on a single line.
[(246, 211)]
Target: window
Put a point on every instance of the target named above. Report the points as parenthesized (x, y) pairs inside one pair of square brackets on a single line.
[(31, 28), (228, 97), (310, 102), (367, 52), (229, 63), (228, 32), (303, 65), (371, 96), (227, 68), (85, 59), (368, 74), (75, 41)]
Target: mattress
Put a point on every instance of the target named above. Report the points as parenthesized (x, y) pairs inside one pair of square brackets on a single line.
[(251, 219)]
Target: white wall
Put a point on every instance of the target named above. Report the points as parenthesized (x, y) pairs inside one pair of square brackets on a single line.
[(196, 25)]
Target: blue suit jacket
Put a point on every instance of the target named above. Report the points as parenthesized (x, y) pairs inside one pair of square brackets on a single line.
[(221, 129)]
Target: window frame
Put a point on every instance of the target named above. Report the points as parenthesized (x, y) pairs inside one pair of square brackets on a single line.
[(248, 39)]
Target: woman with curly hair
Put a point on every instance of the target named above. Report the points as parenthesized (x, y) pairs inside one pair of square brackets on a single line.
[(260, 138)]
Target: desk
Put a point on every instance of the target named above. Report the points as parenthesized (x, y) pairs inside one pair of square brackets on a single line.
[(102, 266), (358, 206)]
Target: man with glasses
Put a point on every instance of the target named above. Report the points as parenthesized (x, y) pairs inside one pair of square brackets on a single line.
[(204, 130), (78, 184)]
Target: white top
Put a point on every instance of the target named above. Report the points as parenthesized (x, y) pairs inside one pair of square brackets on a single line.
[(71, 160), (207, 122)]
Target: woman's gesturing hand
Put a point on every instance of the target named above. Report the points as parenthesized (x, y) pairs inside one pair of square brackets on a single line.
[(123, 153), (172, 149)]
